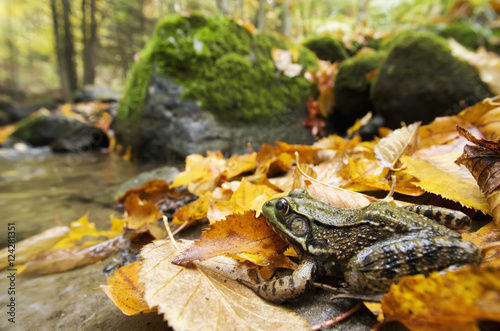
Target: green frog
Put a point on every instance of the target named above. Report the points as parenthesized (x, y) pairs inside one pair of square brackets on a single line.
[(370, 247)]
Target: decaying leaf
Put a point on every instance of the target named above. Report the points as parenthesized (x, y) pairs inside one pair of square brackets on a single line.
[(151, 191), (126, 292), (456, 298), (324, 77), (486, 235), (63, 259), (439, 175), (207, 296), (360, 122), (483, 161), (28, 248), (143, 216), (403, 141), (238, 233), (192, 212)]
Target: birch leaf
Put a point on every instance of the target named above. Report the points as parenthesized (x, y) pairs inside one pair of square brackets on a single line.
[(403, 141), (207, 296)]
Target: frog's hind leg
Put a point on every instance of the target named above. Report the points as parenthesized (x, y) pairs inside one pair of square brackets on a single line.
[(452, 219), (375, 268)]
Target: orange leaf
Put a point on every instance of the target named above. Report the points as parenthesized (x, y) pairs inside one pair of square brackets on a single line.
[(487, 234), (143, 217), (239, 233), (126, 292), (192, 212), (452, 299)]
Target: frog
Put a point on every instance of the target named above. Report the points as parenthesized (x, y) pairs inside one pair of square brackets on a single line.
[(371, 247)]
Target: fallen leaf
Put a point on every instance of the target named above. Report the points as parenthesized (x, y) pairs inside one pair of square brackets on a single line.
[(248, 196), (27, 249), (192, 212), (403, 141), (324, 77), (283, 62), (360, 122), (488, 234), (451, 299), (143, 216), (439, 175), (64, 259), (126, 292), (152, 191), (238, 233), (483, 161), (207, 297), (6, 131)]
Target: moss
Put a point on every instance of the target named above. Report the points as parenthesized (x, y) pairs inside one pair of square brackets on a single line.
[(420, 79), (327, 48), (220, 64), (352, 88), (464, 33)]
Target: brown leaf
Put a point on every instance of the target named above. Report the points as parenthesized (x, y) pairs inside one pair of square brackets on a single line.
[(69, 258), (403, 141), (152, 191), (207, 297), (451, 299), (488, 234), (143, 216), (483, 161), (28, 248), (126, 292), (239, 233)]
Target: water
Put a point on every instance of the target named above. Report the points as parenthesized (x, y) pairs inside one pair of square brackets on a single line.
[(39, 189)]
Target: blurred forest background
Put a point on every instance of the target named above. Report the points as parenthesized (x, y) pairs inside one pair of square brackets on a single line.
[(52, 48)]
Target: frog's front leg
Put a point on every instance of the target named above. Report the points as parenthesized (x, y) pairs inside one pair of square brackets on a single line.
[(375, 268), (287, 287)]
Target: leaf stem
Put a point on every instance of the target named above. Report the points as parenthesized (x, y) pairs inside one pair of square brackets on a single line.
[(169, 231), (338, 318)]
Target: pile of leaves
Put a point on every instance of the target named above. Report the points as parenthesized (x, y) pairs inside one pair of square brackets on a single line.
[(194, 283)]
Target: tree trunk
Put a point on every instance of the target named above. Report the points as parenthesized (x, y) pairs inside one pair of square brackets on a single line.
[(63, 74), (286, 22), (261, 16), (89, 33), (69, 47), (223, 7)]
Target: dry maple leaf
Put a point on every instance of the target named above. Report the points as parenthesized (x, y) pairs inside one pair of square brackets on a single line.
[(439, 175), (238, 233), (483, 161), (403, 141), (455, 298), (207, 296), (126, 292)]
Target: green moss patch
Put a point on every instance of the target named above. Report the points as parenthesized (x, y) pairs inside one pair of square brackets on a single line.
[(327, 48), (221, 64)]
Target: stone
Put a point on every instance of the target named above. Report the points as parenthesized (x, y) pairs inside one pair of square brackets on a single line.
[(80, 140)]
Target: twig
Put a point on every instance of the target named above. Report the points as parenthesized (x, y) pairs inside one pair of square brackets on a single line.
[(338, 318)]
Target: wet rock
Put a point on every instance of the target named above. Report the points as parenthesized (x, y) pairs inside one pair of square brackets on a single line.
[(420, 80), (81, 139), (96, 93)]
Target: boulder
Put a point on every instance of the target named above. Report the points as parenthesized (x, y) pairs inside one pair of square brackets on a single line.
[(207, 83), (327, 48), (352, 88), (420, 79), (80, 139), (101, 93)]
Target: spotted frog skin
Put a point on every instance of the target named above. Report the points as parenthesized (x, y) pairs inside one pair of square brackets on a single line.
[(370, 247)]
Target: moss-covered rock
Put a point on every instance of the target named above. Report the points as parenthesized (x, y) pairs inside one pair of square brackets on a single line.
[(464, 33), (219, 63), (327, 48), (420, 80), (352, 88)]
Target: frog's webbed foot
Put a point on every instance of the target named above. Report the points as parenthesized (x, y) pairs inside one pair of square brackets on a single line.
[(283, 288), (344, 293)]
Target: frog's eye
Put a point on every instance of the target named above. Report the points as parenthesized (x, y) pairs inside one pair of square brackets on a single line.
[(298, 226), (281, 206)]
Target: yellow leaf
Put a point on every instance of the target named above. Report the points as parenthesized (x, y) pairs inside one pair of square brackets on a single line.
[(440, 175), (403, 141), (126, 292), (192, 212), (451, 299)]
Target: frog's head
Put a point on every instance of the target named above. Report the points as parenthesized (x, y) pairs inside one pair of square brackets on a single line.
[(286, 216)]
